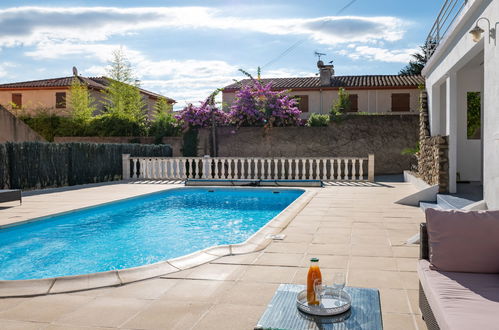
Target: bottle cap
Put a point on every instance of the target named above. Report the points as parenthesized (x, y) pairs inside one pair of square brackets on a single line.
[(314, 259)]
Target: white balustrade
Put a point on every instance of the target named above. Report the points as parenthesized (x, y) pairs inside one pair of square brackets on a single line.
[(249, 168)]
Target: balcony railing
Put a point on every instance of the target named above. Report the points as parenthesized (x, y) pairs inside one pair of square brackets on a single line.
[(446, 17)]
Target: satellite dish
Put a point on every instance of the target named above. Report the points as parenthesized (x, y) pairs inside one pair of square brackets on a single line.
[(75, 71)]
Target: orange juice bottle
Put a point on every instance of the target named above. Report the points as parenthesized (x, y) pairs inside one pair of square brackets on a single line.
[(314, 277)]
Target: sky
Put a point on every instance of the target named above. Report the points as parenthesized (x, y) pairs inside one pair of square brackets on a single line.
[(186, 49)]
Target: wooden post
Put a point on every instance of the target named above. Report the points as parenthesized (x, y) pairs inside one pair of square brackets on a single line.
[(126, 166), (370, 165)]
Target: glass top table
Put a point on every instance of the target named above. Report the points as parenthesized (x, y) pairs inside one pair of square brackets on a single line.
[(282, 313)]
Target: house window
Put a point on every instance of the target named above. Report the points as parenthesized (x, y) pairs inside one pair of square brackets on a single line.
[(401, 102), (302, 102), (473, 116), (17, 100), (60, 100), (354, 103)]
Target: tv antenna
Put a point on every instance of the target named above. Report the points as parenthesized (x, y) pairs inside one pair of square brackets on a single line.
[(316, 53)]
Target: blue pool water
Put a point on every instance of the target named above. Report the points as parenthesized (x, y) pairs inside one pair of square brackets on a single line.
[(137, 231)]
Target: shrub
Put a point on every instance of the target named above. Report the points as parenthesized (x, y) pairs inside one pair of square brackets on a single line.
[(257, 105), (164, 125), (318, 120), (342, 104), (113, 125), (202, 116)]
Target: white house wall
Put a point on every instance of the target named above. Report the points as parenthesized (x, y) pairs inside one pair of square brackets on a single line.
[(453, 54)]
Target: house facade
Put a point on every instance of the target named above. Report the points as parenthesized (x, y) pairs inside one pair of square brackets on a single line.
[(368, 94), (29, 97), (462, 81)]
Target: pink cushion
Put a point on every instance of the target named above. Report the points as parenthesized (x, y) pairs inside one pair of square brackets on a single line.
[(463, 241), (461, 301)]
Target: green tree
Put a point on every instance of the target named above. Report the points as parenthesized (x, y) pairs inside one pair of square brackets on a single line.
[(81, 103), (418, 61), (342, 104), (122, 95), (162, 107), (473, 115)]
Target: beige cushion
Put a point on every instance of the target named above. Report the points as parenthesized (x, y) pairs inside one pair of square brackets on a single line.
[(461, 300), (463, 241)]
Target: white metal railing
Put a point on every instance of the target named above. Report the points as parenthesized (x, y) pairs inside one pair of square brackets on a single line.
[(445, 18), (249, 168)]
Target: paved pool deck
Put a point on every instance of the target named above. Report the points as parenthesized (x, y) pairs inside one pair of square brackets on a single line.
[(354, 228)]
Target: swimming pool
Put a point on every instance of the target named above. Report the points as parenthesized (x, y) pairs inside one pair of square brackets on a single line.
[(138, 231)]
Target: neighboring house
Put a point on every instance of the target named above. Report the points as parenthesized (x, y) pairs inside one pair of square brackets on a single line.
[(368, 93), (463, 72), (31, 96)]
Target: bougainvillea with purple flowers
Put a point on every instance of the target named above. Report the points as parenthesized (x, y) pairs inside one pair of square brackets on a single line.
[(257, 105), (201, 116)]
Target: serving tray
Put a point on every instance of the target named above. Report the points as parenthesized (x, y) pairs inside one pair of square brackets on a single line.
[(332, 303)]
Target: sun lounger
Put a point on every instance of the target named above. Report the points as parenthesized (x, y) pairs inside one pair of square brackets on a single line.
[(10, 196)]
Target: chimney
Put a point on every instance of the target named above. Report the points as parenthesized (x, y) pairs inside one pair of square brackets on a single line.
[(326, 72)]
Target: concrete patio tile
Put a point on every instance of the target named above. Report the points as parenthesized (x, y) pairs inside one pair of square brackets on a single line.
[(371, 251), (335, 231), (104, 312), (332, 249), (165, 314), (268, 274), (414, 301), (392, 321), (394, 301), (21, 325), (197, 290), (406, 251), (370, 240), (148, 289), (301, 230), (410, 280), (331, 238), (327, 261), (240, 259), (420, 323), (219, 272), (373, 263), (44, 308), (380, 279), (288, 247), (280, 259), (344, 225), (406, 264), (298, 238), (7, 303), (230, 316), (248, 293)]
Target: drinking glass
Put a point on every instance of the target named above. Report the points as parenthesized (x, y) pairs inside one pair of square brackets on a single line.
[(339, 281), (320, 290)]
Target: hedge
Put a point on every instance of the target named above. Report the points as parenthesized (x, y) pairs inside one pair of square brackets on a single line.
[(36, 165)]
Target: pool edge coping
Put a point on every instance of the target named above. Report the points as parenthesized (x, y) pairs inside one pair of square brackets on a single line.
[(65, 284)]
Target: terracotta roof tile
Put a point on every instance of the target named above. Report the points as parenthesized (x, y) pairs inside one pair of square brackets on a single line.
[(92, 82), (374, 81)]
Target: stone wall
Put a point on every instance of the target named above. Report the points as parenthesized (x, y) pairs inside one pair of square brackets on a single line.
[(13, 129), (385, 136), (433, 161)]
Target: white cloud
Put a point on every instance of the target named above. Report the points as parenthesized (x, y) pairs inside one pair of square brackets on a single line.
[(32, 25), (4, 68), (379, 54)]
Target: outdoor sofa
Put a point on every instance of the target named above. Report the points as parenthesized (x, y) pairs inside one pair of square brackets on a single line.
[(462, 290), (10, 195)]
